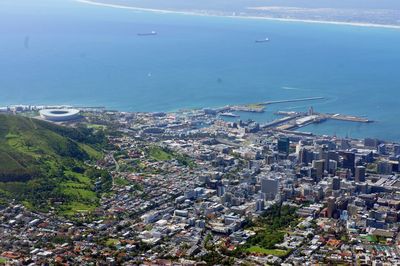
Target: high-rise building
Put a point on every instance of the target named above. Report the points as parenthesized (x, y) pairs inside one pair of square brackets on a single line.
[(220, 191), (227, 198), (349, 160), (283, 145), (360, 174), (333, 155), (331, 207), (319, 166), (269, 187), (299, 146), (382, 149), (336, 183), (332, 167), (385, 168), (305, 156), (260, 205)]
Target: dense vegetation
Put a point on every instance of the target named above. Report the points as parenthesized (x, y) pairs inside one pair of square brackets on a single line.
[(43, 165), (270, 230), (272, 225)]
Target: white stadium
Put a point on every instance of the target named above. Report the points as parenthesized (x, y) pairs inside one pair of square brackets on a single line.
[(59, 115)]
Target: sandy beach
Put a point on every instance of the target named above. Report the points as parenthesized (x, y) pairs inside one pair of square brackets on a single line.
[(239, 16)]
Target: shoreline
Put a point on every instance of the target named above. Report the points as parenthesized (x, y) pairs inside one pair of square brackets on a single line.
[(35, 108), (190, 13)]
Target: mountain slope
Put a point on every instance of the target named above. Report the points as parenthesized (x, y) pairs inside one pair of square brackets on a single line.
[(42, 165)]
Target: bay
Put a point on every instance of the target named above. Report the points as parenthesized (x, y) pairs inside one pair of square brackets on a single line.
[(65, 52)]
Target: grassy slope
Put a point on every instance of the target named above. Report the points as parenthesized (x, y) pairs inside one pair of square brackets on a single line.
[(159, 154), (41, 163), (274, 252)]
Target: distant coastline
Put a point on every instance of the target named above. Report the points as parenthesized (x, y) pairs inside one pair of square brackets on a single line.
[(210, 14)]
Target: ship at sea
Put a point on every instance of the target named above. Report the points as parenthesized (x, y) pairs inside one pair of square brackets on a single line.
[(262, 40), (226, 114), (152, 33)]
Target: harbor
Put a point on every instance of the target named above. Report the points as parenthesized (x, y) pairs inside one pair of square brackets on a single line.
[(290, 121), (295, 120)]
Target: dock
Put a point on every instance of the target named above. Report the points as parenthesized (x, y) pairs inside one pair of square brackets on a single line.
[(294, 120), (260, 107), (350, 118), (293, 100)]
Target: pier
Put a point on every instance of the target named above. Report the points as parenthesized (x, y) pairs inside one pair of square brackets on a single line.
[(294, 120), (260, 107), (293, 100), (350, 118)]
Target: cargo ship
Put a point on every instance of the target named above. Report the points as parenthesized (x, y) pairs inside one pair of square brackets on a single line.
[(152, 33), (263, 40)]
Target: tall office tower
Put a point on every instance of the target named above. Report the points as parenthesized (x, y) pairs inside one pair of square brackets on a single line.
[(360, 174), (332, 167), (260, 205), (325, 157), (331, 207), (319, 166), (283, 145), (349, 160), (385, 168), (336, 183), (305, 156), (299, 146), (269, 187), (333, 155), (220, 191)]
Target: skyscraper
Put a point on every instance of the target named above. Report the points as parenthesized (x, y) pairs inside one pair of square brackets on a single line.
[(260, 205), (270, 187), (319, 166), (331, 207), (360, 174), (283, 145), (382, 149), (349, 160), (304, 156), (336, 183)]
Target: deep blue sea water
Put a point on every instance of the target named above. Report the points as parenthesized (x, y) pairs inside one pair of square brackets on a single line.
[(64, 52)]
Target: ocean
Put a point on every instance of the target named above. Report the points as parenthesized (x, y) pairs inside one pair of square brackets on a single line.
[(65, 52)]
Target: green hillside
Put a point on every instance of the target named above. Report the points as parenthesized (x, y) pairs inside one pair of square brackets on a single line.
[(42, 165)]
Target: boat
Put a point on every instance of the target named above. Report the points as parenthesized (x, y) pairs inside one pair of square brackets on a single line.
[(263, 40), (229, 115), (152, 33)]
